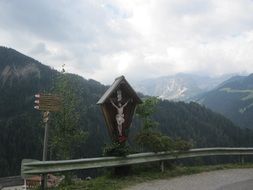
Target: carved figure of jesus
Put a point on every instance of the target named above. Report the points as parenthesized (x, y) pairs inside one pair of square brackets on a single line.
[(120, 115)]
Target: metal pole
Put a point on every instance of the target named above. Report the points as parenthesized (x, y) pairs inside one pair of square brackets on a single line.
[(44, 158)]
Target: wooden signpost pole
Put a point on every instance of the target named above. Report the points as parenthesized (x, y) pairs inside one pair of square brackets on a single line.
[(46, 103), (44, 157)]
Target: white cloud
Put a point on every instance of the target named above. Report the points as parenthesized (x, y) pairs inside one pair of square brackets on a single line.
[(139, 38)]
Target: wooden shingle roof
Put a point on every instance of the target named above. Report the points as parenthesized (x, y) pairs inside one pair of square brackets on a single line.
[(119, 81)]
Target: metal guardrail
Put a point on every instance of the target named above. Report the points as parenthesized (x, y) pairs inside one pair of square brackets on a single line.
[(33, 167)]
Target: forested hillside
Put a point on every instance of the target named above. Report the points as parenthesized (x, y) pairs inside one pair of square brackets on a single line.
[(20, 78), (21, 136), (202, 126), (233, 99), (22, 130)]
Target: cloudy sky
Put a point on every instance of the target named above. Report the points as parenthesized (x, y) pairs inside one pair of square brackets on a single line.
[(102, 39)]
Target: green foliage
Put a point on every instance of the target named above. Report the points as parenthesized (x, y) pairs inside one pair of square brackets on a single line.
[(147, 138), (182, 145), (156, 142), (116, 149), (144, 112), (145, 109), (151, 140), (66, 132), (167, 143)]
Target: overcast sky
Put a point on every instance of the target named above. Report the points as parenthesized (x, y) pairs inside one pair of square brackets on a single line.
[(102, 39)]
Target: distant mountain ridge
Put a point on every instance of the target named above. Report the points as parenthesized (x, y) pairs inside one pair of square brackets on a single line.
[(234, 99), (179, 87)]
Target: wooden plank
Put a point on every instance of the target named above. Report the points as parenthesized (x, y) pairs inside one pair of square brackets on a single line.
[(48, 108)]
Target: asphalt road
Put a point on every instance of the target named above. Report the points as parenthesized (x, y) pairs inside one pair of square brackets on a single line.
[(232, 179)]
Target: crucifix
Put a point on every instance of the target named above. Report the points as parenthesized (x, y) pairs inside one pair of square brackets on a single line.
[(120, 111)]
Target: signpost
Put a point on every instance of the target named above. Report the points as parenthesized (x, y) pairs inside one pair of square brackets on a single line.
[(47, 103)]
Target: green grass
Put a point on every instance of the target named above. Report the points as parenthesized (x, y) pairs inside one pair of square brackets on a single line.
[(144, 174), (230, 90), (248, 93)]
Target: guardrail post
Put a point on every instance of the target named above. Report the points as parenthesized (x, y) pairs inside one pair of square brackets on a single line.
[(162, 166), (242, 159)]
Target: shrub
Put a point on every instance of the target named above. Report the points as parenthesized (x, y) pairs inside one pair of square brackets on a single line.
[(116, 149), (153, 141), (182, 145)]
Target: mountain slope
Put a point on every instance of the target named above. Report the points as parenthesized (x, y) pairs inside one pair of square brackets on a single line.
[(178, 87), (200, 125), (20, 79), (21, 136), (234, 99)]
